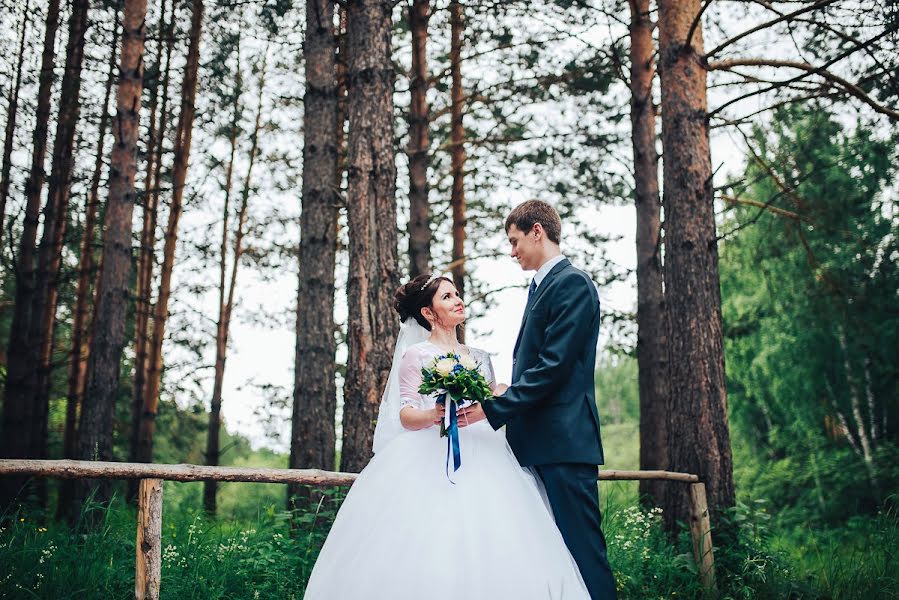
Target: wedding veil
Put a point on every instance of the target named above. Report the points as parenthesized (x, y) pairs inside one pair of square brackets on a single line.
[(388, 425)]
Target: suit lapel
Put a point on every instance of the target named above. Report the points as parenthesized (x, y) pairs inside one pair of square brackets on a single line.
[(541, 289)]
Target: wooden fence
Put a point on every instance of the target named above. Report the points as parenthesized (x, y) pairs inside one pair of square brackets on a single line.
[(149, 514)]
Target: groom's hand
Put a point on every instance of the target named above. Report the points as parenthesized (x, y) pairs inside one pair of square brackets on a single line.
[(500, 389), (471, 415)]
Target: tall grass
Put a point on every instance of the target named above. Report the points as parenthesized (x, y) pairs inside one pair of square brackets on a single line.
[(201, 557), (251, 551)]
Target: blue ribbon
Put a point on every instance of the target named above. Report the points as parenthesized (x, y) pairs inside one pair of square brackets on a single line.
[(452, 436)]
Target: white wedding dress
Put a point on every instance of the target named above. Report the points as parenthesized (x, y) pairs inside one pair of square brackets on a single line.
[(405, 531)]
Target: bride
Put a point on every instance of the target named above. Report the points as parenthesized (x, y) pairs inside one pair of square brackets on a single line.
[(405, 530)]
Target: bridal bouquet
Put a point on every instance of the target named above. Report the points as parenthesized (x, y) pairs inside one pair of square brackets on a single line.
[(458, 382)]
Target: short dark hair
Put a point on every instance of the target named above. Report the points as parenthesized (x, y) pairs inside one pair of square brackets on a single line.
[(415, 295), (528, 213)]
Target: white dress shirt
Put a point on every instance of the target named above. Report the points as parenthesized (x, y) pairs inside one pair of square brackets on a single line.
[(543, 271)]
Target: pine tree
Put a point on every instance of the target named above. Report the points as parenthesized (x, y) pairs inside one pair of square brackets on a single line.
[(313, 435), (371, 211)]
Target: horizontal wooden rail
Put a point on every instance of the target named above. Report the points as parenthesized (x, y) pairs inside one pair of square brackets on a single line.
[(149, 526), (638, 475), (86, 469)]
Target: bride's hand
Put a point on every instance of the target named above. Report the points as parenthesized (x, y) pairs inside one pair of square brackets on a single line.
[(471, 415), (438, 411), (499, 389)]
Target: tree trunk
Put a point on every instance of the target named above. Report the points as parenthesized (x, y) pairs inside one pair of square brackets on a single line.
[(340, 140), (313, 435), (457, 158), (11, 113), (419, 210), (22, 350), (179, 176), (697, 406), (146, 254), (371, 212), (80, 345), (55, 220), (651, 353), (95, 424)]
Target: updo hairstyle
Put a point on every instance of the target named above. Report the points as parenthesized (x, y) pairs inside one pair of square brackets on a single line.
[(412, 297)]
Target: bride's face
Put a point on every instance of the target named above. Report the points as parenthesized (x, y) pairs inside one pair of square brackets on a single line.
[(447, 308)]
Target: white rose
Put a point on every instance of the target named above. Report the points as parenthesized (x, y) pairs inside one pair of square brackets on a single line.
[(468, 362), (444, 366)]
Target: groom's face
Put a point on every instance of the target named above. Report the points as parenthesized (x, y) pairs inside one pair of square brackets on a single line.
[(526, 248)]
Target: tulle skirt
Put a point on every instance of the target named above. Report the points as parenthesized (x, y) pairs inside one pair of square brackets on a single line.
[(405, 531)]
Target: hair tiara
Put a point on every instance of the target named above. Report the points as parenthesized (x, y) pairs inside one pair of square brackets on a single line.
[(428, 282)]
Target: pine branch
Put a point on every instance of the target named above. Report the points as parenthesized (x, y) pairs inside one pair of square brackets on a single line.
[(836, 80), (766, 24), (787, 82)]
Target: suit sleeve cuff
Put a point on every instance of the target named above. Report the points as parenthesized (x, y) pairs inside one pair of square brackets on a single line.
[(492, 417)]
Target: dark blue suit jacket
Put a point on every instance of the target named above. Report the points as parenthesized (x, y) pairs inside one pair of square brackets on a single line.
[(550, 409)]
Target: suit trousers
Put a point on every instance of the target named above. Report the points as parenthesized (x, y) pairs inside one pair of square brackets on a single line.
[(574, 498)]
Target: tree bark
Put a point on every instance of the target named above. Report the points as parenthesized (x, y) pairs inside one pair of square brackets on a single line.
[(179, 176), (652, 359), (340, 139), (146, 252), (371, 212), (457, 157), (95, 424), (313, 435), (419, 120), (55, 220), (22, 350), (11, 113), (80, 344), (697, 406)]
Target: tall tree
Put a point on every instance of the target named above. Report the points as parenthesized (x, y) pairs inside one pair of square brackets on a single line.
[(80, 326), (95, 423), (146, 252), (313, 435), (340, 139), (227, 287), (371, 212), (12, 109), (21, 378), (419, 143), (457, 141), (651, 334), (179, 176), (55, 219), (697, 407)]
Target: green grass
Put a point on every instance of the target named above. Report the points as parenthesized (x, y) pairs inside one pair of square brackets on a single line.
[(249, 551), (201, 557)]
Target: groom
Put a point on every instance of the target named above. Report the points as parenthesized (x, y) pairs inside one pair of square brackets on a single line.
[(550, 411)]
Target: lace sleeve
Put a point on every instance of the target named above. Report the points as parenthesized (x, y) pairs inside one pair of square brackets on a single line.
[(410, 379), (486, 367)]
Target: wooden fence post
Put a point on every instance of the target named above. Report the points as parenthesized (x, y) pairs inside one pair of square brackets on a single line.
[(149, 540), (701, 532)]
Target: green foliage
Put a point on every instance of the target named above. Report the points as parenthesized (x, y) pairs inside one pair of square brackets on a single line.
[(201, 558), (856, 560), (617, 391), (810, 321)]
